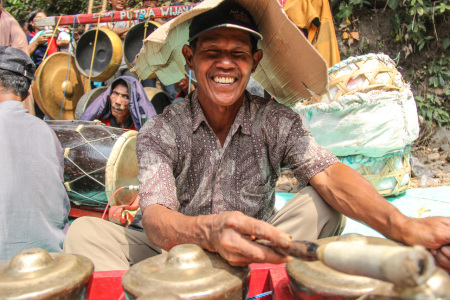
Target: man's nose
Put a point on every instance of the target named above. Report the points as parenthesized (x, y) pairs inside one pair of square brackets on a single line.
[(225, 61)]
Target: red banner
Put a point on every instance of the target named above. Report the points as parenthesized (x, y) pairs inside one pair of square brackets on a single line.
[(123, 15)]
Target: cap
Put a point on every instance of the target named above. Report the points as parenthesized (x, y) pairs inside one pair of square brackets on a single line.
[(17, 61), (228, 14)]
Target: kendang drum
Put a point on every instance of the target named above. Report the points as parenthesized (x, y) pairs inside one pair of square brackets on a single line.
[(98, 160), (107, 49), (134, 40), (186, 272), (37, 274)]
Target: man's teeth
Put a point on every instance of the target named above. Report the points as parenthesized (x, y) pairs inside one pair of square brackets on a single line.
[(224, 79)]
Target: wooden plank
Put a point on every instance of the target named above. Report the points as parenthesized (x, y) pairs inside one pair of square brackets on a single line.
[(123, 15)]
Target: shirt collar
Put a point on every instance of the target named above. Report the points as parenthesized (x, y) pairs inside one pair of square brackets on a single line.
[(242, 117)]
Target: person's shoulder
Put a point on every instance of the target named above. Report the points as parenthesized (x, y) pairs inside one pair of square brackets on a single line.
[(270, 107), (174, 116)]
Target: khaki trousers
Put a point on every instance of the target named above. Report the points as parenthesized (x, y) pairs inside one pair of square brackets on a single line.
[(112, 247)]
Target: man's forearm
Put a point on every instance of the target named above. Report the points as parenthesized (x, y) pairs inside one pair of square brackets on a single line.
[(121, 31), (351, 194), (166, 228)]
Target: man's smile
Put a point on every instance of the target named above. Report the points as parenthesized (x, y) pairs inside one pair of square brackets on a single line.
[(224, 80)]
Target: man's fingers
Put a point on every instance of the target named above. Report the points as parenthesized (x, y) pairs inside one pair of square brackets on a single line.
[(442, 258), (263, 230)]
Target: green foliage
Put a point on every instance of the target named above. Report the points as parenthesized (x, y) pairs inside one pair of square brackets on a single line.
[(346, 8), (414, 22), (438, 73), (432, 110), (430, 106)]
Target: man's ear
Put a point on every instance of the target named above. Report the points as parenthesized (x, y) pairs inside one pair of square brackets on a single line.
[(257, 56), (188, 54)]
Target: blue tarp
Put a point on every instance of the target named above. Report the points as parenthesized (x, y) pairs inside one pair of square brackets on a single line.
[(415, 203)]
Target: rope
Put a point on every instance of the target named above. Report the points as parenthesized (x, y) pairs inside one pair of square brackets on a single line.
[(190, 80), (95, 46), (107, 205), (261, 295), (68, 67), (51, 39)]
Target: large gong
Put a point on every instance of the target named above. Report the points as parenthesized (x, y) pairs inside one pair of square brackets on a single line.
[(134, 40), (87, 99), (108, 54), (56, 81), (158, 98)]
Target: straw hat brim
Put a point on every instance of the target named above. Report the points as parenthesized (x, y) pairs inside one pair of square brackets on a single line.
[(290, 69)]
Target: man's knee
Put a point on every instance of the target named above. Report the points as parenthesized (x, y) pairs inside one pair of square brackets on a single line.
[(81, 232)]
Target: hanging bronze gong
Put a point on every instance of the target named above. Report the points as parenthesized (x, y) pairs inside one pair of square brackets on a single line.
[(186, 272), (87, 99), (107, 57), (37, 274), (134, 40), (54, 84), (158, 98)]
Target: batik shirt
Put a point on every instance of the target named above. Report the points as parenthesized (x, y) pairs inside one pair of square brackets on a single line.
[(184, 167)]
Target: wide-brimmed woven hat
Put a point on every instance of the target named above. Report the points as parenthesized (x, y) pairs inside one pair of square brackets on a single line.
[(291, 69)]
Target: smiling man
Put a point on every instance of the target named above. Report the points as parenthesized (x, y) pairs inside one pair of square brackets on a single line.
[(209, 167)]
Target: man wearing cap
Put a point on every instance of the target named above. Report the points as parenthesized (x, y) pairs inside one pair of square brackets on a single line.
[(33, 201), (209, 164)]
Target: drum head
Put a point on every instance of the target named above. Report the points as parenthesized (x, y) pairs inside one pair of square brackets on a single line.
[(158, 98), (87, 99), (108, 54), (122, 169), (55, 83), (134, 40)]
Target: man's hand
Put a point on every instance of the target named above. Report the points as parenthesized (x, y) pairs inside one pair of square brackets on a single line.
[(41, 40), (232, 235), (434, 234), (352, 195)]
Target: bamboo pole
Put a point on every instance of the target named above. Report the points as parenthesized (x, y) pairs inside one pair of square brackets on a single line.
[(89, 11)]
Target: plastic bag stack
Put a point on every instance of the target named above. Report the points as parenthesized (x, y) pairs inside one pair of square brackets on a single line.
[(368, 119)]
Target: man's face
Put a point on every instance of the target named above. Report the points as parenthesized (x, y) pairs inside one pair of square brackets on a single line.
[(119, 102), (223, 62), (118, 4), (150, 3)]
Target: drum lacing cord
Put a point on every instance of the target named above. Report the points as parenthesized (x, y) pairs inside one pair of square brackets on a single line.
[(68, 67), (113, 136), (51, 39), (95, 46)]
